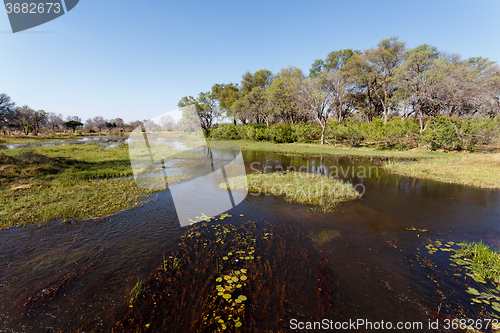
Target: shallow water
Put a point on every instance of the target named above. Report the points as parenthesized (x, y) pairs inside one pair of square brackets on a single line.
[(373, 255), (106, 141)]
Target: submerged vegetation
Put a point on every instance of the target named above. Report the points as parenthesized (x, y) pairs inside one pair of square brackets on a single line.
[(321, 192), (233, 278), (475, 267)]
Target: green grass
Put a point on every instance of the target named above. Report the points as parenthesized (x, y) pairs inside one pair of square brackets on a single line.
[(475, 169), (480, 170), (483, 262), (317, 149), (42, 183), (323, 193)]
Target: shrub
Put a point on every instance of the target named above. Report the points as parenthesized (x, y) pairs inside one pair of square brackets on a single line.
[(441, 132), (256, 132), (282, 133), (307, 132), (225, 132)]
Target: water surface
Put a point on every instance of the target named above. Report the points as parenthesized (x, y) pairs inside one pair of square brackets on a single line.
[(374, 256)]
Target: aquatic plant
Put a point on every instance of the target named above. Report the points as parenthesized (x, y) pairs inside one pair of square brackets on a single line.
[(246, 277), (482, 261), (136, 290), (321, 192)]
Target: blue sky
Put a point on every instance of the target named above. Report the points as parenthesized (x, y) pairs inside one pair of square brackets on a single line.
[(136, 59)]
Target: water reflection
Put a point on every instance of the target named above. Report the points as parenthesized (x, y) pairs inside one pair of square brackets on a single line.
[(375, 258)]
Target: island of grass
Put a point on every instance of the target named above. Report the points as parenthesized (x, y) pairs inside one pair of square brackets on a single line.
[(321, 192), (38, 184)]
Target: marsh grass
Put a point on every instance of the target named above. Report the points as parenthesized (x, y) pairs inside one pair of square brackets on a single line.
[(234, 278), (136, 290), (474, 169), (481, 260), (321, 192), (43, 183), (480, 170)]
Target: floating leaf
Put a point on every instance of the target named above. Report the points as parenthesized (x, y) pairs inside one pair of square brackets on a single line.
[(243, 277), (234, 278), (226, 296), (242, 297), (225, 258), (473, 291), (238, 324)]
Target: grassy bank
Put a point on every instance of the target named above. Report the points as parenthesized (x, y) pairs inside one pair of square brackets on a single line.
[(321, 192), (42, 183), (475, 169), (481, 170)]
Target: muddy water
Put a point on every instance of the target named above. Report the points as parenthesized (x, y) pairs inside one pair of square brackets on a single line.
[(74, 276)]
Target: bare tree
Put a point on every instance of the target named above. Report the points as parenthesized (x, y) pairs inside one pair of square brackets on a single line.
[(99, 123), (7, 109), (54, 121)]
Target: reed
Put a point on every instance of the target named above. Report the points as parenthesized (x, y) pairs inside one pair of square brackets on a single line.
[(234, 278)]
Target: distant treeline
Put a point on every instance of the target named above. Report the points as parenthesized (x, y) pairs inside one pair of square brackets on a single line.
[(27, 120), (414, 86)]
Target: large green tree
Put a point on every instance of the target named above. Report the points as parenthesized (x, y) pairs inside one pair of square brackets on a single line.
[(382, 62), (415, 77), (206, 107), (285, 95)]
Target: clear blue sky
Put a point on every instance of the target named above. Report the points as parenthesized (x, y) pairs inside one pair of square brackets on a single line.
[(136, 59)]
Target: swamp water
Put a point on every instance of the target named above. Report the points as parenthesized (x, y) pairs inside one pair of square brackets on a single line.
[(68, 277)]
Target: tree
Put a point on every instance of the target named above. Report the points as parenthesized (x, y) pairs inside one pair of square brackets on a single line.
[(382, 61), (119, 123), (23, 117), (54, 121), (252, 103), (167, 122), (334, 60), (285, 95), (206, 108), (73, 124), (38, 119), (89, 124), (319, 101), (75, 118), (7, 109), (99, 123), (226, 95), (413, 76)]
